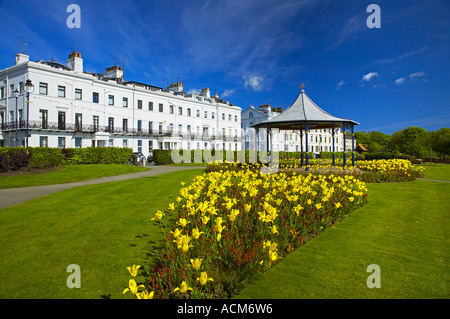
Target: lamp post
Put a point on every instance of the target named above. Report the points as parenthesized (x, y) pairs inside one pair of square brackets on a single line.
[(29, 88), (16, 95)]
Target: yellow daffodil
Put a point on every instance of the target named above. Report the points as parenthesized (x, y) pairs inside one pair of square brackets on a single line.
[(337, 205), (175, 233), (133, 270), (183, 222), (205, 219), (132, 287), (298, 209), (274, 229), (145, 295), (159, 215), (183, 243), (196, 233), (183, 288), (273, 247), (233, 214), (273, 256), (219, 221), (196, 263), (351, 199), (171, 206), (228, 205), (319, 206), (204, 278), (247, 207)]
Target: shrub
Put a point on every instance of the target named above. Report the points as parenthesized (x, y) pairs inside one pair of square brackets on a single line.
[(162, 157), (13, 158), (45, 157)]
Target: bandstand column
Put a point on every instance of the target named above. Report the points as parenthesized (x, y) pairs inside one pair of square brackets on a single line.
[(306, 137), (344, 155), (353, 146), (334, 148), (267, 144), (301, 147)]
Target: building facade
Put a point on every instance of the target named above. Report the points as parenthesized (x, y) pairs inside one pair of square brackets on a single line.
[(320, 140), (67, 107)]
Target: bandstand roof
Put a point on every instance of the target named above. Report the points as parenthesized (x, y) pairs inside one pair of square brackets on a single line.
[(304, 111)]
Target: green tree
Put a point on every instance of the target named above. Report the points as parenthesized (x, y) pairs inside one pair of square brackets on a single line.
[(441, 141), (374, 141), (413, 141)]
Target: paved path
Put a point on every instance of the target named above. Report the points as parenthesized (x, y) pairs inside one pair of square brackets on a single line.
[(13, 196), (433, 180)]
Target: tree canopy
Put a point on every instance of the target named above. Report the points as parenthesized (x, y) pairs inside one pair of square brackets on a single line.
[(415, 141)]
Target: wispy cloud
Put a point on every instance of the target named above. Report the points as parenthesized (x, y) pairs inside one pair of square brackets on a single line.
[(411, 78), (228, 93), (254, 82), (340, 85), (401, 57), (417, 75), (241, 37), (369, 76), (400, 81), (443, 120)]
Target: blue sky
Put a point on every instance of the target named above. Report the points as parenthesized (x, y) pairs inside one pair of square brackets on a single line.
[(259, 51)]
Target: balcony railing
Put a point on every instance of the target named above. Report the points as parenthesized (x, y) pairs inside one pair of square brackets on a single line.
[(91, 128)]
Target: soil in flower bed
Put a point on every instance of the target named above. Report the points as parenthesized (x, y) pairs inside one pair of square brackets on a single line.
[(29, 170)]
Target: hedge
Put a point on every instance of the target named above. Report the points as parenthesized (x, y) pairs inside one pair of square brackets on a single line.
[(45, 157), (164, 157), (14, 158), (336, 154), (96, 155)]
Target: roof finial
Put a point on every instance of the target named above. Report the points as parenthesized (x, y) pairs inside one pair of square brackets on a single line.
[(302, 86)]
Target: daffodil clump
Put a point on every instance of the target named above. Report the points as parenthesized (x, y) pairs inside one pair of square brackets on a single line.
[(233, 223), (370, 171)]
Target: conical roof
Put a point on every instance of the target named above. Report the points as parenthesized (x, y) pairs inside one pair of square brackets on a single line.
[(303, 110)]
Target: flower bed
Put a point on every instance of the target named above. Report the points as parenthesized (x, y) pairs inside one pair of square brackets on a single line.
[(234, 222), (373, 171)]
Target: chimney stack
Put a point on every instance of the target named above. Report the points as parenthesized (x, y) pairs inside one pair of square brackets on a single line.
[(22, 58), (206, 93), (75, 62), (114, 72)]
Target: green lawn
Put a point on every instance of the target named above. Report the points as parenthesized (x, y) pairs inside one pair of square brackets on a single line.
[(70, 173), (437, 171), (405, 229), (102, 228)]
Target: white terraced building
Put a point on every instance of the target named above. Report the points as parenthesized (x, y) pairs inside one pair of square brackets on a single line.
[(71, 108)]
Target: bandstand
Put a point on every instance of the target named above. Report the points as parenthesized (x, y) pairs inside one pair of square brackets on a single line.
[(303, 115)]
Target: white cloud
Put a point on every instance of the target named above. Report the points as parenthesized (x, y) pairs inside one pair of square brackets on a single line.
[(416, 75), (194, 91), (340, 84), (228, 93), (400, 81), (253, 81), (367, 77)]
